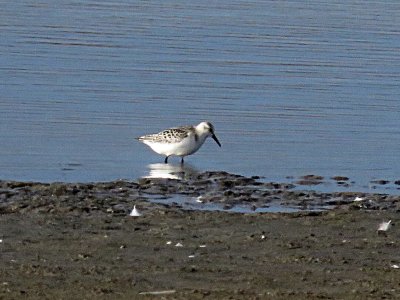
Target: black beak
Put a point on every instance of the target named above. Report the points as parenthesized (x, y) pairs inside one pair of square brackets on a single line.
[(216, 140)]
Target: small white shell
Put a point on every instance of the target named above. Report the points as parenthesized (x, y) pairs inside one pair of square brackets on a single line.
[(358, 199), (135, 212), (395, 266), (166, 292), (202, 246), (169, 243), (178, 245), (384, 226)]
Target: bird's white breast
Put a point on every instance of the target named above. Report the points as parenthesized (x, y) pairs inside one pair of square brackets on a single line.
[(187, 146)]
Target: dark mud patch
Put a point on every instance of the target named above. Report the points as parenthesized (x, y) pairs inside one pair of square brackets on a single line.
[(380, 181), (340, 178), (310, 180)]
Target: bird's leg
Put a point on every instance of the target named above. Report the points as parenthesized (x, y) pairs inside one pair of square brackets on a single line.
[(166, 159), (182, 160)]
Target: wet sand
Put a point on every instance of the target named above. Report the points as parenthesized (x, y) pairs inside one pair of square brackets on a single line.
[(77, 241)]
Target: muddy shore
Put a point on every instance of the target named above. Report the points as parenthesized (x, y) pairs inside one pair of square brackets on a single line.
[(77, 241)]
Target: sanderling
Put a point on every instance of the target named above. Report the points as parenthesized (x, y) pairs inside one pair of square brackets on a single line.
[(180, 141)]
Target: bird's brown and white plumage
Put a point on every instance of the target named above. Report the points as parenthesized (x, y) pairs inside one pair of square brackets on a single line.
[(180, 141)]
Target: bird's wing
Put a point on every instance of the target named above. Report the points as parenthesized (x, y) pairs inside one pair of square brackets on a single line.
[(172, 135)]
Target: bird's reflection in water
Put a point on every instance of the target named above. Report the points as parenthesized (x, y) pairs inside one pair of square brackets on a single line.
[(171, 171)]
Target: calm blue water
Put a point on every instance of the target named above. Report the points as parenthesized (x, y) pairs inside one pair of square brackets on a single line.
[(293, 88)]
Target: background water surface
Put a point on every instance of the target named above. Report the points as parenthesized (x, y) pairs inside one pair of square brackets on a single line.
[(292, 87)]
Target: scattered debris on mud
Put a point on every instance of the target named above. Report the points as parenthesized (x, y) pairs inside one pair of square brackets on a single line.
[(112, 239)]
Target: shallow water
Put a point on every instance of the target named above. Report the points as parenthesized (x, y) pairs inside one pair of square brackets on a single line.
[(190, 203), (292, 88)]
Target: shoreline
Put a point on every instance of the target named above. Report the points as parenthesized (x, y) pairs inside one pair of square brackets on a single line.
[(205, 191)]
